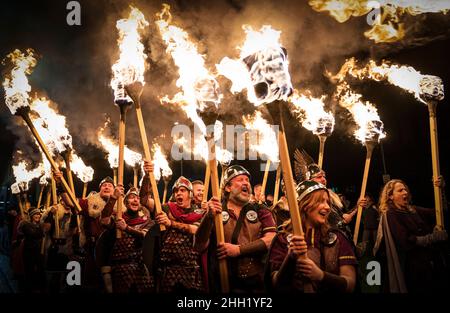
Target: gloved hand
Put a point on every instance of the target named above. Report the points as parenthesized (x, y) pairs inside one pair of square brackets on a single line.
[(435, 236)]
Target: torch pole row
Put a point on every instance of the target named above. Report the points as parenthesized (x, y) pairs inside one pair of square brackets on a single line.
[(44, 149)]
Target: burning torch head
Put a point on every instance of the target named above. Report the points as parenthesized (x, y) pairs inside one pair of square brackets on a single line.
[(207, 90), (325, 126), (431, 88), (269, 74), (374, 131)]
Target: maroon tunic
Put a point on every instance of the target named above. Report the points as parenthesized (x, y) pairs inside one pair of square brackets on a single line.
[(329, 257)]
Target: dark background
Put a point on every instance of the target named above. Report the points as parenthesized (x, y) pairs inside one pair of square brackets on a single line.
[(74, 70)]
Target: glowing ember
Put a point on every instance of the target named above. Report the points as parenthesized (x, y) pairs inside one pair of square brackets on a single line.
[(16, 83), (405, 77), (160, 162), (130, 66), (198, 85), (267, 143), (83, 172), (262, 68), (370, 127), (387, 25), (312, 115), (24, 176)]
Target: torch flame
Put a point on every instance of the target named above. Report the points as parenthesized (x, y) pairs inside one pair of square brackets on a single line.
[(198, 85), (130, 66), (311, 113), (51, 126), (160, 162), (370, 127), (267, 143), (262, 68), (387, 26), (83, 172), (405, 77), (131, 157), (24, 176), (16, 83)]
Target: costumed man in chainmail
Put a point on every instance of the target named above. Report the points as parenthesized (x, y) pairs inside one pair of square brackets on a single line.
[(178, 265), (128, 271), (58, 246), (91, 228), (306, 169), (248, 228)]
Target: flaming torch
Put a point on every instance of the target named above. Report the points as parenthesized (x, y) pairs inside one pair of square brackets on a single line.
[(427, 89), (199, 88), (16, 98), (125, 72), (265, 143), (129, 74), (263, 70), (432, 91), (314, 118), (369, 132)]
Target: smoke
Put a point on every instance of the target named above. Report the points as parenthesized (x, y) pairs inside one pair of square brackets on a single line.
[(75, 67)]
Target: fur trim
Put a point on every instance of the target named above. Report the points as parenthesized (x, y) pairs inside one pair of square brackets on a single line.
[(96, 204)]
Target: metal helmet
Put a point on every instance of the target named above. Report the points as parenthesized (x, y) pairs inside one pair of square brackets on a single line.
[(107, 179), (182, 182), (306, 187), (232, 172), (132, 191)]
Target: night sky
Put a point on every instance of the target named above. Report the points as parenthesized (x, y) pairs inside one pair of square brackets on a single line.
[(74, 70)]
